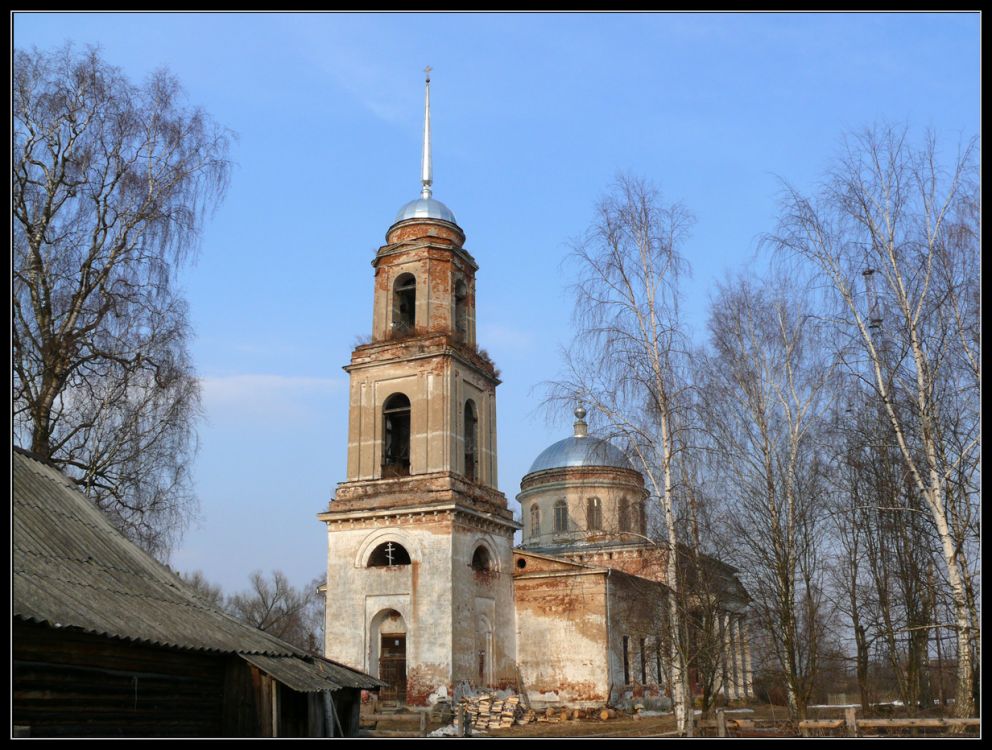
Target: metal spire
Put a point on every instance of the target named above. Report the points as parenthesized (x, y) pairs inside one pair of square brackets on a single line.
[(425, 171)]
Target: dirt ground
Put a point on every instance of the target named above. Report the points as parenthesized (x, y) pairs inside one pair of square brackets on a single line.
[(623, 726), (768, 722), (627, 726)]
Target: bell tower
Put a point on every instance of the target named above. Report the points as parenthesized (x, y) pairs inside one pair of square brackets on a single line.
[(419, 590)]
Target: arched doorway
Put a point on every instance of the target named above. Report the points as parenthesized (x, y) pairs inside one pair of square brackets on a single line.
[(388, 647)]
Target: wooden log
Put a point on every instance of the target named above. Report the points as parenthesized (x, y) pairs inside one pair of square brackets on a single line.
[(576, 714), (604, 714)]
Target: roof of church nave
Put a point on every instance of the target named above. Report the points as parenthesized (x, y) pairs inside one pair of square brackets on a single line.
[(581, 449)]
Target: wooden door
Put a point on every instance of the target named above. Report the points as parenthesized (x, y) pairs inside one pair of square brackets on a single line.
[(392, 667)]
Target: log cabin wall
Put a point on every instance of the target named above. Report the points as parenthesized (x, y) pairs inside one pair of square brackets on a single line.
[(72, 684)]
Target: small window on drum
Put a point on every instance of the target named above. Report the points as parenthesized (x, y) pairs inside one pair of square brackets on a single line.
[(561, 516), (535, 521), (624, 519), (594, 514), (389, 555)]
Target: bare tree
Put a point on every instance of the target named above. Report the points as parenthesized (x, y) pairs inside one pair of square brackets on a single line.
[(209, 592), (894, 234), (624, 361), (706, 587), (277, 607), (109, 188), (766, 385), (886, 551)]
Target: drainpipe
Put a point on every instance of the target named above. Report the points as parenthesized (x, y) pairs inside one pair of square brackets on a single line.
[(609, 666)]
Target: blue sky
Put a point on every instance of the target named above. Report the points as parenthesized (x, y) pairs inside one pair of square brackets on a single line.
[(533, 116)]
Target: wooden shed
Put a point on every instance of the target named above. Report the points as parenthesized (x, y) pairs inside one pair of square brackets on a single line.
[(108, 642)]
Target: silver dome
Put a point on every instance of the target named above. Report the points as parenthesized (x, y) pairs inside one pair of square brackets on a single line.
[(580, 451), (425, 208)]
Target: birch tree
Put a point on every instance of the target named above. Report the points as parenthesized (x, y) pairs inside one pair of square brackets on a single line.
[(767, 391), (110, 184), (625, 360), (893, 233)]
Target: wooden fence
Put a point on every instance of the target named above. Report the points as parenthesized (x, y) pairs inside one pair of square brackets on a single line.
[(850, 725), (854, 727)]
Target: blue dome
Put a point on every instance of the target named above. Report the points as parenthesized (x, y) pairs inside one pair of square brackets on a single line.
[(425, 208), (580, 451)]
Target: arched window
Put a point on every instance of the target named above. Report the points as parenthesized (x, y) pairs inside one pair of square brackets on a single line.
[(594, 514), (535, 521), (471, 441), (404, 304), (389, 555), (481, 560), (461, 309), (561, 516), (396, 436), (637, 517), (624, 515)]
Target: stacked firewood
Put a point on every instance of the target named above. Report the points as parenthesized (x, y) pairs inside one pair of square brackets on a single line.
[(487, 711)]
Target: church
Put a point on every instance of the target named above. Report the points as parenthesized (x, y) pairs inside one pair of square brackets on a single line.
[(425, 587)]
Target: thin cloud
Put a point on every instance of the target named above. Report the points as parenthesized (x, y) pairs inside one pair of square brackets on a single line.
[(284, 398), (361, 71)]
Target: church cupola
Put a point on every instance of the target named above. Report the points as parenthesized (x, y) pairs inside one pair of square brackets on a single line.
[(425, 207), (582, 490), (425, 279)]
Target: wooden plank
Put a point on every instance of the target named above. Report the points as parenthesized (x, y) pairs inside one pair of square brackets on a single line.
[(821, 724), (963, 722), (915, 723)]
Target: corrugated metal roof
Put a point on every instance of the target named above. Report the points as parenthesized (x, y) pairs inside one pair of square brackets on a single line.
[(308, 677), (71, 567)]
